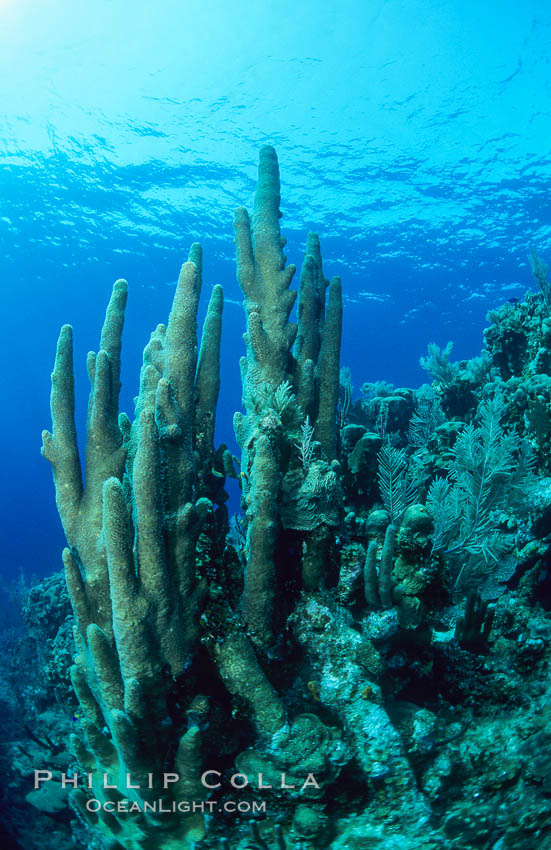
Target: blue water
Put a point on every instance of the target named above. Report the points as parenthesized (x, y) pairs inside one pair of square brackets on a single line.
[(412, 135)]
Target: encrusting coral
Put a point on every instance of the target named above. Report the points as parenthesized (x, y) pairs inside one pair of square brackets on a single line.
[(326, 638)]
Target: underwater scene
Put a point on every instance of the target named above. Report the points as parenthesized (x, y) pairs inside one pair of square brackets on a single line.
[(276, 515)]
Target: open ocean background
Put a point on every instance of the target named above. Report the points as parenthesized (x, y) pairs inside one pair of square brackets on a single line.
[(413, 135)]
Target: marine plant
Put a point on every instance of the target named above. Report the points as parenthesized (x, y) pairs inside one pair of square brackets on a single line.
[(427, 416), (540, 270), (488, 469), (398, 489), (438, 364)]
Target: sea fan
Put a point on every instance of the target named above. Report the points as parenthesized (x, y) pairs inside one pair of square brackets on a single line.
[(397, 490), (438, 364), (488, 469), (426, 418)]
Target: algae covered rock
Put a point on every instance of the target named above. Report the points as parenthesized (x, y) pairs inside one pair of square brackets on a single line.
[(377, 523), (50, 798), (514, 335), (360, 833), (415, 569), (416, 532), (310, 823), (303, 757)]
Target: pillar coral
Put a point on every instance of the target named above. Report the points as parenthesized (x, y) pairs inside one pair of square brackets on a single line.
[(131, 565), (290, 379), (141, 528)]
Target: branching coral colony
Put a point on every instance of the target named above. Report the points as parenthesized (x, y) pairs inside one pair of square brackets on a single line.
[(316, 670)]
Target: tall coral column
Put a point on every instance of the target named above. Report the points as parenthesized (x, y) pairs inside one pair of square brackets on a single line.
[(288, 401), (131, 565)]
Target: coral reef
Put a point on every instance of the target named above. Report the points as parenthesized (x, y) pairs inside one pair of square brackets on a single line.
[(359, 660), (38, 709)]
